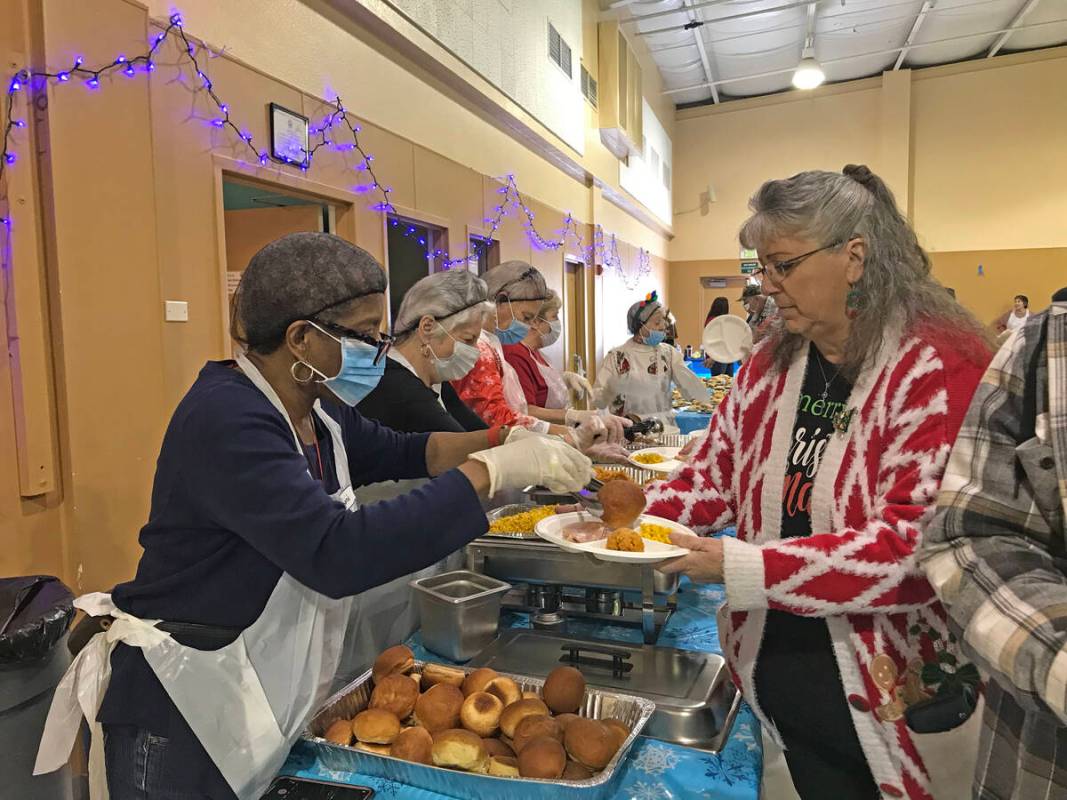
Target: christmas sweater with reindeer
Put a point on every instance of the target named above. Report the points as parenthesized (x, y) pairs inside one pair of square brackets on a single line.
[(873, 486)]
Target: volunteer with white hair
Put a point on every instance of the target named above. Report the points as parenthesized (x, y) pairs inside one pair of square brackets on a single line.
[(435, 340), (636, 376), (492, 389)]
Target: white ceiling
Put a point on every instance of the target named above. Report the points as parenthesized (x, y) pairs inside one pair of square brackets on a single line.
[(750, 47)]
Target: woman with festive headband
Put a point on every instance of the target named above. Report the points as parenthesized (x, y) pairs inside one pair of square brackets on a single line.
[(636, 376), (826, 457)]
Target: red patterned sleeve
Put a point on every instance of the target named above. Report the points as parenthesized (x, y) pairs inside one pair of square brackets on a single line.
[(869, 563), (482, 389)]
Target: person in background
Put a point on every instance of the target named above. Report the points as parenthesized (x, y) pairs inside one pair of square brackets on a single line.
[(826, 457), (435, 334), (719, 306), (635, 377), (760, 308), (994, 552), (226, 639), (1060, 296), (1016, 318), (491, 389)]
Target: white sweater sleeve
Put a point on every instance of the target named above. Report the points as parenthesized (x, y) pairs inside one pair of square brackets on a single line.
[(603, 390), (685, 379)]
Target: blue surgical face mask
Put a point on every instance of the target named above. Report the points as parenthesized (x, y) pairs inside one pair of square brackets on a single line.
[(515, 332), (655, 337), (464, 357), (358, 374)]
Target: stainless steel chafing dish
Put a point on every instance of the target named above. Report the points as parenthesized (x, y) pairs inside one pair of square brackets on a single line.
[(598, 704), (696, 701)]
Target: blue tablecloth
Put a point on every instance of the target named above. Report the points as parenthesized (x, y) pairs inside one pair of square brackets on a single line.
[(690, 421), (653, 770)]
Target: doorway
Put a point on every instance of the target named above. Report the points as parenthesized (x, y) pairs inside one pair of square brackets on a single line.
[(411, 245), (574, 306)]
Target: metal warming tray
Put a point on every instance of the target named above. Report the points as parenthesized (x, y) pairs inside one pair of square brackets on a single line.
[(460, 612), (507, 511), (599, 704), (696, 701)]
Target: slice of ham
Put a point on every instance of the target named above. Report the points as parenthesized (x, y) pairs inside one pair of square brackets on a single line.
[(580, 532)]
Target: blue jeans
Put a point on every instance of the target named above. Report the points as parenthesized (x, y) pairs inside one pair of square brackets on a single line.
[(143, 766)]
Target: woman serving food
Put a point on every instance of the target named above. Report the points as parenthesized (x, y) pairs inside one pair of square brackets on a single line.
[(228, 636)]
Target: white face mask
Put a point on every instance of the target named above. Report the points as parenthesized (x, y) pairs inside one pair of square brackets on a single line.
[(555, 328), (457, 365)]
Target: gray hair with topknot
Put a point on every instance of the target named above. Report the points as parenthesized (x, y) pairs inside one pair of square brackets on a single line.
[(516, 280), (300, 276), (452, 298), (831, 208)]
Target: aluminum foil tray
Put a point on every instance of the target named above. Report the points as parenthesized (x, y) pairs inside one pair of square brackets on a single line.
[(599, 704), (507, 511)]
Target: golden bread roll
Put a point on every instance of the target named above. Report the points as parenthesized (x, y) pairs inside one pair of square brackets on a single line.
[(542, 758), (459, 749), (397, 659), (564, 690), (506, 689), (417, 677), (623, 503), (565, 719), (377, 749), (376, 726), (495, 747), (620, 730), (340, 732), (395, 693), (515, 713), (577, 772), (414, 744), (438, 709), (504, 766), (433, 674), (530, 696), (480, 713), (534, 727), (477, 680), (589, 741)]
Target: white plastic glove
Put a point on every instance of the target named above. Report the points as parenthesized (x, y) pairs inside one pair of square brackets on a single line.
[(532, 460), (590, 429), (613, 425), (606, 453), (579, 385)]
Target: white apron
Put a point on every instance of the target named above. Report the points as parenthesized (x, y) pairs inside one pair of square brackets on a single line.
[(559, 396), (645, 394), (248, 702), (513, 392)]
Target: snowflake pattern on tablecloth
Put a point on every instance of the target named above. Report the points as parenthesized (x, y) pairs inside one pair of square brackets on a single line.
[(731, 766), (743, 735), (646, 791), (654, 759)]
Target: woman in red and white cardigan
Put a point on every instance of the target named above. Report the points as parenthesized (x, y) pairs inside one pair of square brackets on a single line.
[(826, 456)]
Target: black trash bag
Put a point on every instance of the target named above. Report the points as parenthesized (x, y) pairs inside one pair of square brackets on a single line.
[(35, 612)]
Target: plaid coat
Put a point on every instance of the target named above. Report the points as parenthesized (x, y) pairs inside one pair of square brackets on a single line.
[(995, 553)]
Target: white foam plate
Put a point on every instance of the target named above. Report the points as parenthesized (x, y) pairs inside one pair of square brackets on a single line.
[(669, 453), (551, 530)]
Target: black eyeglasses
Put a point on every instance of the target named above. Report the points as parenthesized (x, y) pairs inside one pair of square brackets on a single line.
[(383, 342), (778, 271)]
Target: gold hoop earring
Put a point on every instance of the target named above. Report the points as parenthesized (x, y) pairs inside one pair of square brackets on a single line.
[(302, 381)]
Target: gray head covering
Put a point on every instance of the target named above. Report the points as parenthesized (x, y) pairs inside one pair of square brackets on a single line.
[(640, 313), (300, 276), (517, 280), (440, 295)]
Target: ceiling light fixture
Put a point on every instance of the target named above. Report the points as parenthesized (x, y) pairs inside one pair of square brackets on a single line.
[(809, 72)]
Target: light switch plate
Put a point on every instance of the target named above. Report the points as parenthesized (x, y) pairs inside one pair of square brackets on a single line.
[(177, 311)]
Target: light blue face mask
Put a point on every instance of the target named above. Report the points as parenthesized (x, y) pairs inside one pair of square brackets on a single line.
[(358, 374), (655, 337), (515, 332)]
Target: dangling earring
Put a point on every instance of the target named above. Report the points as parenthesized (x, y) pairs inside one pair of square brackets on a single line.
[(296, 378), (853, 302)]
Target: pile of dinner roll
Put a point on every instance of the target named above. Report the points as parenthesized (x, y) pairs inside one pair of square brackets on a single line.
[(480, 721)]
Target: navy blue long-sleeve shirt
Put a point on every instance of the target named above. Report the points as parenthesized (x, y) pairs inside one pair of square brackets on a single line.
[(233, 507)]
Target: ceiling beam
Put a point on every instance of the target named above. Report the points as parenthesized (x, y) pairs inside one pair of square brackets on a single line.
[(698, 37), (725, 18), (919, 19), (889, 51), (657, 14), (1012, 27)]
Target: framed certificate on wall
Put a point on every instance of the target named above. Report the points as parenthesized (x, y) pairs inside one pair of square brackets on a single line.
[(288, 136)]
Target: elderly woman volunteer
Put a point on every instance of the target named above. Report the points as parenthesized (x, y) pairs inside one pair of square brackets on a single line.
[(254, 538), (492, 389), (636, 377), (436, 334), (827, 457), (546, 389)]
